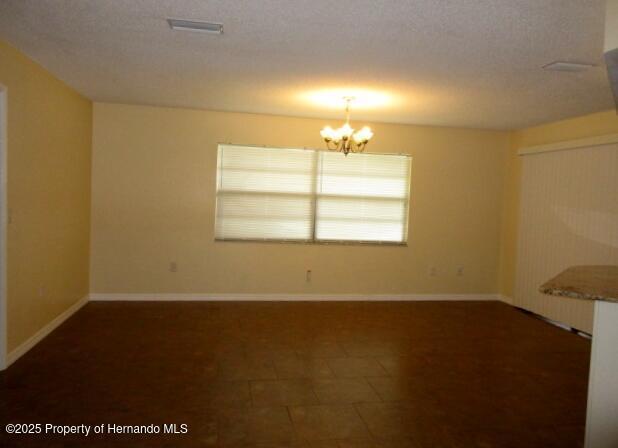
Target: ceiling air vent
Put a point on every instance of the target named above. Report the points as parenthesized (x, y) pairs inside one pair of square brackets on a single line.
[(560, 66), (198, 27)]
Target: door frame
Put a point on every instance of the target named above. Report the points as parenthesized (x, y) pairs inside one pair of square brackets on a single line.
[(3, 225)]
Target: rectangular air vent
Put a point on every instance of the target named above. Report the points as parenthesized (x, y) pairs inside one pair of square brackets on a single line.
[(560, 66), (199, 27)]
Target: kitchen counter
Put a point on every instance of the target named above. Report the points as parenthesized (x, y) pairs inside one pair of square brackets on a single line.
[(600, 284), (585, 282)]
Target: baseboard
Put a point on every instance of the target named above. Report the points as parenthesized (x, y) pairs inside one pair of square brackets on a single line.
[(505, 299), (214, 297), (33, 340)]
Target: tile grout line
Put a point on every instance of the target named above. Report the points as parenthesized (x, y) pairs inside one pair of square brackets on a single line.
[(315, 394), (382, 365), (374, 389), (354, 405), (253, 406), (296, 437)]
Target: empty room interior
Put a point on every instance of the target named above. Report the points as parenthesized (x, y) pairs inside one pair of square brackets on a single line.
[(325, 224)]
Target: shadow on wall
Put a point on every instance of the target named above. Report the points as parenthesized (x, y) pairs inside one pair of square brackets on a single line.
[(604, 230)]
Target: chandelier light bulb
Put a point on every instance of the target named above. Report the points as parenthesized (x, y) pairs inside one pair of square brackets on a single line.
[(328, 133), (363, 136), (346, 131), (337, 136)]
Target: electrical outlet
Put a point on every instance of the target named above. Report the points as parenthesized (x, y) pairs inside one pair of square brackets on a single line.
[(460, 271), (173, 266), (432, 271), (308, 276), (42, 291)]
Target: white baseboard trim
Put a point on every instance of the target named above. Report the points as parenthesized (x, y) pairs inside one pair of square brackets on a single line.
[(37, 337), (505, 299), (225, 297)]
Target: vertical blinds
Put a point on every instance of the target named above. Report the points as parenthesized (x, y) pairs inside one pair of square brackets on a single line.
[(307, 195)]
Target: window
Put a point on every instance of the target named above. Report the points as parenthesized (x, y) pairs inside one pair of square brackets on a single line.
[(265, 193), (362, 197), (311, 196)]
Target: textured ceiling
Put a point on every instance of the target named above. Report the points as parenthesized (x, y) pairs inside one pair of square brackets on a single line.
[(472, 63)]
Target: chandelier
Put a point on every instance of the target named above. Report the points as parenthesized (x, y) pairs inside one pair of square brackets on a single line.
[(345, 139)]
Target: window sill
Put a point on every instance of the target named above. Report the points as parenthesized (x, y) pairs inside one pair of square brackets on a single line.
[(313, 242)]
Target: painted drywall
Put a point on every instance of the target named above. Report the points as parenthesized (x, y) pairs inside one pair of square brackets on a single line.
[(602, 123), (49, 158), (153, 202)]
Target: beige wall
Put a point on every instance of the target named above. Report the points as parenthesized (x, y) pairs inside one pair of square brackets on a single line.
[(49, 142), (602, 123), (153, 201)]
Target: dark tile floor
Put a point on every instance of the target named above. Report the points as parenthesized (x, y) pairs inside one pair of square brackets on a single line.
[(341, 375)]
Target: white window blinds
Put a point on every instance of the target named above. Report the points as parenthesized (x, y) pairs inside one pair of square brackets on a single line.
[(362, 197), (265, 193), (307, 195)]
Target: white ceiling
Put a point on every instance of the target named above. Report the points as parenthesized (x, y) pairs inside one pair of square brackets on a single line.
[(472, 63)]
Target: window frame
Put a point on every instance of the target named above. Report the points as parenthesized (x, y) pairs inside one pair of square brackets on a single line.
[(314, 200)]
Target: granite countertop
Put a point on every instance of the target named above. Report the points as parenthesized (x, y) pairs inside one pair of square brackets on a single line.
[(585, 282)]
